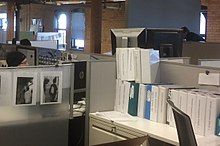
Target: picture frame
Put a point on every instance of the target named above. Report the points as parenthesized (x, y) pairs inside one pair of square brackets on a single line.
[(51, 87), (24, 88)]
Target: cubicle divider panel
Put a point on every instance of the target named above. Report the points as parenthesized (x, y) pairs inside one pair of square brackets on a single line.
[(101, 84), (34, 107), (209, 62), (91, 57), (81, 55), (183, 74), (199, 50), (102, 57)]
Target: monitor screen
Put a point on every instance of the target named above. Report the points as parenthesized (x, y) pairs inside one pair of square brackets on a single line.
[(167, 41), (126, 38)]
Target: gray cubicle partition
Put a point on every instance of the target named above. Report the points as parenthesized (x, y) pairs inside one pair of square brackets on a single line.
[(38, 124), (209, 62), (101, 84), (183, 74), (91, 56), (199, 50)]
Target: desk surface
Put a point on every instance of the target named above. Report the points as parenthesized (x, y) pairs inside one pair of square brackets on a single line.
[(155, 130)]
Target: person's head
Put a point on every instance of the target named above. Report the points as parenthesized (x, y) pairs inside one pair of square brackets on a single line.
[(16, 58), (25, 42), (14, 41), (185, 31)]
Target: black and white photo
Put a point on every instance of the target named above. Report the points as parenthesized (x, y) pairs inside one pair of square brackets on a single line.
[(24, 89), (51, 88)]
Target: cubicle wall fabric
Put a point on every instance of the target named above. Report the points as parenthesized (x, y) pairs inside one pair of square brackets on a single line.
[(23, 120)]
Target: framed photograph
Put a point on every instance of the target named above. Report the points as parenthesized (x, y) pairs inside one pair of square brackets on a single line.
[(25, 88), (51, 87)]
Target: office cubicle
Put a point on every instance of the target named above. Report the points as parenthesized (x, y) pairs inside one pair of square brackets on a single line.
[(34, 119), (170, 72), (100, 88), (185, 74)]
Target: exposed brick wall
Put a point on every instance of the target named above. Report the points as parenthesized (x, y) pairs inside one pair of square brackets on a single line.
[(213, 31), (25, 17), (112, 18), (213, 23), (88, 29), (44, 12), (204, 2)]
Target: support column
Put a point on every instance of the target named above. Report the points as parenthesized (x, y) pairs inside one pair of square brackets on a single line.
[(96, 26), (17, 15), (68, 33), (10, 19), (126, 12)]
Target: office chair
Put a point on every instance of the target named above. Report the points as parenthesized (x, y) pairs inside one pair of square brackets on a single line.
[(184, 126)]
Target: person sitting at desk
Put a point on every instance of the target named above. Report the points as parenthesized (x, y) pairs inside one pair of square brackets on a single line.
[(16, 58), (191, 36)]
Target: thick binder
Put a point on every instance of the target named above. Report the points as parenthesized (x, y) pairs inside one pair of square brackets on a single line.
[(133, 99)]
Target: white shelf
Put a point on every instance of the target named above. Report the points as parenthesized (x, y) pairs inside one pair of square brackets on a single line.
[(155, 130)]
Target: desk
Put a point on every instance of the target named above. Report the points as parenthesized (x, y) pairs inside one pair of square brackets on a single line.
[(162, 132)]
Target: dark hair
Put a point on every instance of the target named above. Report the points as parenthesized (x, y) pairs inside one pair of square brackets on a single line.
[(185, 29), (25, 42), (14, 58), (14, 41)]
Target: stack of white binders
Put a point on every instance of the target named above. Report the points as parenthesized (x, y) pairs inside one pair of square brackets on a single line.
[(202, 106), (134, 66), (139, 65), (138, 94), (153, 105)]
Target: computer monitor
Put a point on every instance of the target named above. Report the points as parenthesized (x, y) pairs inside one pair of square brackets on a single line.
[(127, 38), (168, 41)]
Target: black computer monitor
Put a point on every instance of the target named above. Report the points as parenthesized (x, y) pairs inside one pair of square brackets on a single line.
[(127, 38), (168, 41)]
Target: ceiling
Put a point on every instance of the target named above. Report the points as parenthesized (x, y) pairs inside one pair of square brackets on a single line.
[(59, 1)]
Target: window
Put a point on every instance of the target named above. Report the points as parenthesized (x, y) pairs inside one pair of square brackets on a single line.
[(202, 24), (61, 25), (203, 21), (3, 21), (78, 29), (62, 21)]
